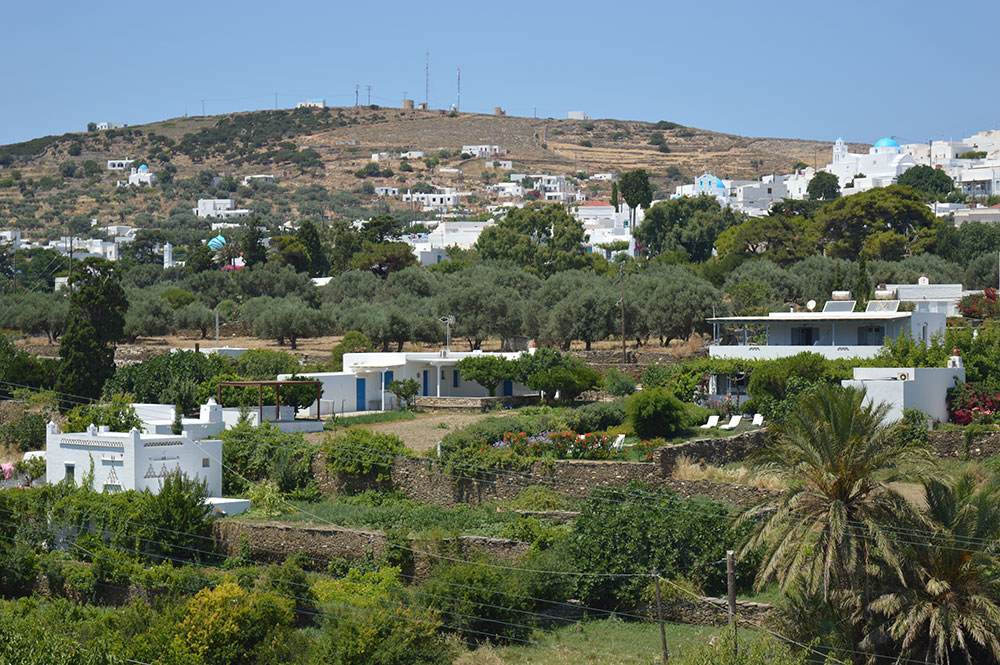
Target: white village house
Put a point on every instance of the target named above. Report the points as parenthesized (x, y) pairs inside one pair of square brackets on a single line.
[(219, 209), (130, 460), (921, 388), (361, 386)]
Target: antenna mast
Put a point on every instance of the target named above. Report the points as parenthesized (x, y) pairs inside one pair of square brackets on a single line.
[(427, 78), (458, 103)]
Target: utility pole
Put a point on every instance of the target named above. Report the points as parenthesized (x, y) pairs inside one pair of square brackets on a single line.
[(69, 281), (427, 79), (621, 276), (275, 101), (356, 89), (458, 102), (203, 107), (659, 616), (731, 584), (369, 95)]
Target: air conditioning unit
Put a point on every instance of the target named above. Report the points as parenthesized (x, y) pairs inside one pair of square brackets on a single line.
[(903, 376)]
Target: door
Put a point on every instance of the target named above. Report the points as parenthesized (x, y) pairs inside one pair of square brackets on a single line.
[(426, 382), (386, 380), (361, 395), (508, 388)]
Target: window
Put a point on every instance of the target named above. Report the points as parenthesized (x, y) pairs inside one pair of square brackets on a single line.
[(205, 462), (454, 379), (71, 471)]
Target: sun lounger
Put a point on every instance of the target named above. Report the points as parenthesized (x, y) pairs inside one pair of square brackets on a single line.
[(733, 423), (758, 420), (712, 422)]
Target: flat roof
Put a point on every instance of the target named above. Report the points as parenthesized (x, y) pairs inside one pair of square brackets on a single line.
[(792, 317)]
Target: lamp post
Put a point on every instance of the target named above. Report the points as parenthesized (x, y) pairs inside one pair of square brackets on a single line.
[(448, 321)]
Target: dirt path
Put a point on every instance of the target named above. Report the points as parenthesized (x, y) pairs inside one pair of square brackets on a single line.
[(425, 432)]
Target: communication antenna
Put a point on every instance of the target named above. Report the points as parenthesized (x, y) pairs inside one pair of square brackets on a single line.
[(427, 79), (811, 305), (458, 102)]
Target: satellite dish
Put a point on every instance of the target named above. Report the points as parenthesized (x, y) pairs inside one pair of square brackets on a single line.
[(811, 305)]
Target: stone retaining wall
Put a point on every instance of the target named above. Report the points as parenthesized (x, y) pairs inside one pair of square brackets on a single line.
[(713, 451), (272, 542), (428, 481), (482, 404), (951, 445), (709, 611)]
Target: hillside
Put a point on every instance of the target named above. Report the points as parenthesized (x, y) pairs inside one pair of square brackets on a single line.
[(44, 183)]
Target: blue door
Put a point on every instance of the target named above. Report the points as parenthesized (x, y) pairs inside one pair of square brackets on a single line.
[(426, 380), (362, 395), (508, 388), (387, 380)]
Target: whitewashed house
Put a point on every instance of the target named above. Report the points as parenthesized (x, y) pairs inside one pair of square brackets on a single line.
[(900, 388), (412, 154), (257, 179), (482, 151), (387, 191), (119, 164), (104, 126), (219, 209), (361, 386), (445, 198), (140, 177), (130, 460), (312, 104)]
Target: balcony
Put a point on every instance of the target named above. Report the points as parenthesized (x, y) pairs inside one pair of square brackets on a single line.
[(772, 352)]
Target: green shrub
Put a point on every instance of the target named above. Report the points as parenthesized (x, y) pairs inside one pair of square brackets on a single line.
[(249, 455), (597, 416), (360, 452), (655, 412), (618, 383), (627, 530), (24, 432), (118, 414)]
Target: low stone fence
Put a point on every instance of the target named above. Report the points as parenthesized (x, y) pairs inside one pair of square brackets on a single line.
[(713, 451), (428, 481), (710, 611), (952, 445), (481, 404), (272, 542)]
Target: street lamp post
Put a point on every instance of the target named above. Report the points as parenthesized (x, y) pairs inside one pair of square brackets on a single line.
[(448, 321)]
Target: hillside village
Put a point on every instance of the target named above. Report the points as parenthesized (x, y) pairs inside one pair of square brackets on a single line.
[(372, 385)]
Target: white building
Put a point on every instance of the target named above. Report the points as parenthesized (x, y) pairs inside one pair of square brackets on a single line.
[(482, 151), (119, 164), (387, 191), (103, 126), (979, 180), (360, 387), (504, 164), (577, 115), (130, 460), (380, 156), (981, 214), (507, 190), (450, 171), (603, 225), (885, 161), (219, 209), (249, 180), (900, 388), (412, 154), (10, 239), (431, 247), (312, 104), (556, 188), (445, 198), (926, 297), (140, 177), (836, 332), (606, 177)]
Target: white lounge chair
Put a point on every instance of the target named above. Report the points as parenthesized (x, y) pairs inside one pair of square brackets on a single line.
[(733, 423), (712, 422), (758, 420), (619, 442)]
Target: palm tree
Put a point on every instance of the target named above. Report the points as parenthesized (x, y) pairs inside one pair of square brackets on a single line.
[(946, 608), (839, 456)]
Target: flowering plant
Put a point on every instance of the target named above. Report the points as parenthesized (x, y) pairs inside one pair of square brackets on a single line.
[(985, 305), (977, 403)]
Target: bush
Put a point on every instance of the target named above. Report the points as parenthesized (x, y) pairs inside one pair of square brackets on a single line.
[(118, 415), (627, 530), (596, 417), (655, 412), (618, 383), (478, 601), (229, 625), (262, 453), (182, 518), (361, 452), (24, 432), (570, 381)]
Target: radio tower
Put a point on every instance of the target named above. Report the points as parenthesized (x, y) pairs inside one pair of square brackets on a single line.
[(427, 79), (458, 102)]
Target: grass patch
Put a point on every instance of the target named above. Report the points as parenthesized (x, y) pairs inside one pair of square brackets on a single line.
[(368, 419), (543, 498), (599, 642), (735, 473)]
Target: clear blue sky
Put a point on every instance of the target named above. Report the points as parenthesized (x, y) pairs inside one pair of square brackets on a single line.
[(862, 70)]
